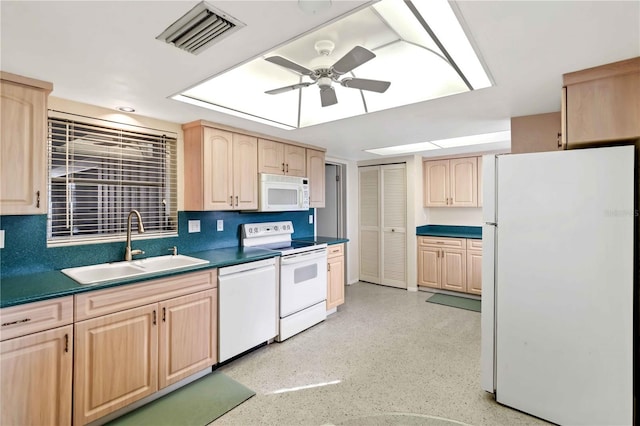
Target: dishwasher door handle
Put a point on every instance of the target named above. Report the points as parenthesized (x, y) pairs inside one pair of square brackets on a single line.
[(256, 269), (303, 257)]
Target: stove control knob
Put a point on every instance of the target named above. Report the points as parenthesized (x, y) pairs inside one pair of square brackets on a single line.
[(275, 228), (250, 230), (255, 229)]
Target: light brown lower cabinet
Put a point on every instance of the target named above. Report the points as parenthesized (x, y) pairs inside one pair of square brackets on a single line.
[(445, 263), (36, 378), (127, 355), (335, 276), (36, 363)]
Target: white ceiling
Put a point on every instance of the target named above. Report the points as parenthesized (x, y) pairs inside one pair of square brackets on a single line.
[(105, 53)]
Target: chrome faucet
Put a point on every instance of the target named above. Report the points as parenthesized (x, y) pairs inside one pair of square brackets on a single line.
[(128, 253)]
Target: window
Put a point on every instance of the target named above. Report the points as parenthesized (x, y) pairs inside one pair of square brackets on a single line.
[(99, 171)]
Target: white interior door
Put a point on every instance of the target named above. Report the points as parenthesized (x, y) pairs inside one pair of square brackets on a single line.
[(564, 290), (369, 188), (394, 225)]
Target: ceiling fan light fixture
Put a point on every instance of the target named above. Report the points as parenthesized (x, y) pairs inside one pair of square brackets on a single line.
[(313, 7)]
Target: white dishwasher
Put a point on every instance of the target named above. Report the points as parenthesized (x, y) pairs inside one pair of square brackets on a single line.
[(247, 306)]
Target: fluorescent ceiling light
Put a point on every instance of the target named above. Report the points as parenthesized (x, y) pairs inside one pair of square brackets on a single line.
[(419, 67), (403, 149), (484, 138), (219, 108), (474, 139)]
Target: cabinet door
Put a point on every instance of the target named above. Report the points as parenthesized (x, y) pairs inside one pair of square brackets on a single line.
[(429, 267), (436, 183), (217, 169), (335, 278), (295, 160), (535, 133), (188, 336), (474, 272), (454, 271), (116, 362), (604, 109), (245, 172), (36, 377), (270, 157), (463, 175), (316, 175), (23, 150)]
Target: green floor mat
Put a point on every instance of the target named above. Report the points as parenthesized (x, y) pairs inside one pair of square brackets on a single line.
[(196, 404), (456, 302)]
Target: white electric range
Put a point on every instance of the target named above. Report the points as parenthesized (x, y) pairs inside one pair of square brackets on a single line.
[(303, 275)]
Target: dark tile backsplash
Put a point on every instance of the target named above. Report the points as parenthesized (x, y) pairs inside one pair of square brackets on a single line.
[(26, 240)]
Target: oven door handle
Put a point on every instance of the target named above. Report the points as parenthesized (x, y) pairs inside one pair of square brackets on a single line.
[(303, 257)]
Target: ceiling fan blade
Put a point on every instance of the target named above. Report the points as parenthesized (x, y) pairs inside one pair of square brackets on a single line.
[(284, 62), (356, 57), (328, 96), (366, 84), (287, 88)]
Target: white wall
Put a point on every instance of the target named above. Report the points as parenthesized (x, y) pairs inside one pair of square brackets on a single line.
[(466, 216)]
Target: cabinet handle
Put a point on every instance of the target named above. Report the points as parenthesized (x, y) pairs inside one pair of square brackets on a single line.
[(154, 317), (38, 199), (282, 167), (287, 167), (559, 140), (4, 324), (236, 201), (328, 267), (164, 314), (231, 200), (393, 230), (66, 343)]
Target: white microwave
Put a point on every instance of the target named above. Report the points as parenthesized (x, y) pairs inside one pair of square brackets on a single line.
[(279, 193)]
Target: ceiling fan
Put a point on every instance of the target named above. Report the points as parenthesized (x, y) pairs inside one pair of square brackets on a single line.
[(324, 74)]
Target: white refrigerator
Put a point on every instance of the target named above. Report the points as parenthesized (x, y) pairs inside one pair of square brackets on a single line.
[(557, 284)]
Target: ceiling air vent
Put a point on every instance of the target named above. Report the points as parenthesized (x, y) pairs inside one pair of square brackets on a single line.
[(199, 28)]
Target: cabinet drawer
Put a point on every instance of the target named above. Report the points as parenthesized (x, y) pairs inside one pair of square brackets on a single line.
[(103, 302), (335, 250), (37, 316), (474, 244), (442, 242)]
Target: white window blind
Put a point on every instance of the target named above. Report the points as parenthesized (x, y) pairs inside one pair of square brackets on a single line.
[(99, 171)]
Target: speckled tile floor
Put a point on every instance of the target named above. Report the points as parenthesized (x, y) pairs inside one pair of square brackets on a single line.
[(385, 358)]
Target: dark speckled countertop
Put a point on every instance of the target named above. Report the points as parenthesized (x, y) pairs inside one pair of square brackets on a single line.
[(323, 240), (472, 232), (21, 289)]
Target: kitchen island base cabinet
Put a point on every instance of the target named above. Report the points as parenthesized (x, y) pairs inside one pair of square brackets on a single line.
[(36, 378)]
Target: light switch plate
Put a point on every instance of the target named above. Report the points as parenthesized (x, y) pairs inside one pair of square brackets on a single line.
[(1, 238), (310, 219), (194, 226), (220, 225)]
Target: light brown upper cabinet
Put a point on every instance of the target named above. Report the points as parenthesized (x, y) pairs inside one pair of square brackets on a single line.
[(602, 104), (536, 133), (315, 173), (281, 159), (220, 170), (451, 183), (23, 145)]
